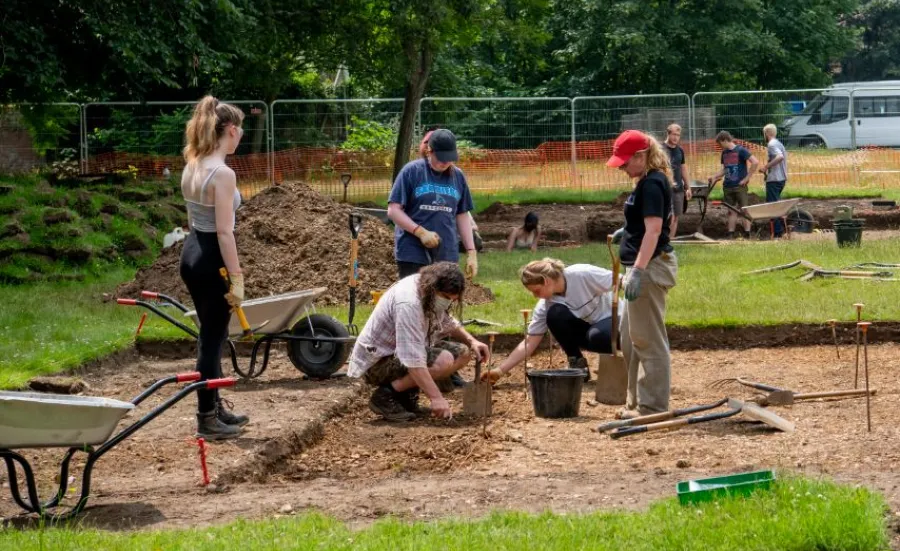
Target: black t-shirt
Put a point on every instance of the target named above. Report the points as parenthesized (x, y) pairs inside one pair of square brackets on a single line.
[(652, 196), (676, 159)]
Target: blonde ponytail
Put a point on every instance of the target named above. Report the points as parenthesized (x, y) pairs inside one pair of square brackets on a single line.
[(207, 124), (657, 159), (537, 272)]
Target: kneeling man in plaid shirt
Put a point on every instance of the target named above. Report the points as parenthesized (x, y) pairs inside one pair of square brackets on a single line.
[(399, 351)]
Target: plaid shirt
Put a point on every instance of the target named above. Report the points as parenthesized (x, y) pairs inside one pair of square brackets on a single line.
[(398, 327)]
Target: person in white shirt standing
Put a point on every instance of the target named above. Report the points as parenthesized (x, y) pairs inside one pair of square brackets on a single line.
[(775, 171), (399, 351)]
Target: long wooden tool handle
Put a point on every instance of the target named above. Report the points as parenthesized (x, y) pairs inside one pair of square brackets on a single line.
[(354, 266), (654, 417), (614, 334), (832, 394), (673, 424)]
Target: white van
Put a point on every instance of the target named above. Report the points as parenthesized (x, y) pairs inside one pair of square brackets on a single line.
[(826, 120)]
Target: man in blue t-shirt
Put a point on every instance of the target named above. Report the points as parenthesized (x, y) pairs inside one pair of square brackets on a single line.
[(736, 178), (429, 205)]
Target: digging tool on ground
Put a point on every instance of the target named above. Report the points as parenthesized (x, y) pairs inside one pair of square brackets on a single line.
[(782, 397), (751, 410), (345, 179), (837, 349), (477, 399), (612, 374), (657, 417), (355, 223), (239, 311), (859, 306), (864, 327)]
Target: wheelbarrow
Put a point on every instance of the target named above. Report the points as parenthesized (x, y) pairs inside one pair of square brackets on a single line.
[(795, 219), (317, 344), (37, 420), (700, 192)]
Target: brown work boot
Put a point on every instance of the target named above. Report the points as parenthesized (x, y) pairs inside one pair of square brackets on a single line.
[(384, 402), (410, 401), (228, 417), (209, 427)]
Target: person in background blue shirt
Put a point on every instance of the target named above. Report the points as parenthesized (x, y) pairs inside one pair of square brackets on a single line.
[(736, 178), (429, 205)]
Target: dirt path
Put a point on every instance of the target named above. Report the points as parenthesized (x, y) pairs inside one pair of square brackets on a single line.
[(360, 469)]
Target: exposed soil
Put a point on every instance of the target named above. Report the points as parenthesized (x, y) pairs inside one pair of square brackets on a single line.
[(316, 445), (289, 238), (563, 225)]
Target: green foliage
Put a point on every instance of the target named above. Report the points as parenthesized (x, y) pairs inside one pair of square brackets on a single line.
[(365, 135), (877, 56), (126, 131)]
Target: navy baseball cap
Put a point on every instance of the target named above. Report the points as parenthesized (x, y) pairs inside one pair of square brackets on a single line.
[(443, 145)]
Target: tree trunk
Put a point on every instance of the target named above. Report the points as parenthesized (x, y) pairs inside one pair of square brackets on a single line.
[(421, 58)]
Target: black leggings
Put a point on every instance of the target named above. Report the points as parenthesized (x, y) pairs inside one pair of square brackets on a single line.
[(574, 334), (200, 264), (408, 268)]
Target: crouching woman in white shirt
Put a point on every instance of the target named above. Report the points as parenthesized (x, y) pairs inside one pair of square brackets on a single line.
[(575, 305)]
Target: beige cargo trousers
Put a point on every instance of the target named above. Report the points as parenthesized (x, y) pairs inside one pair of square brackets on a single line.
[(645, 344)]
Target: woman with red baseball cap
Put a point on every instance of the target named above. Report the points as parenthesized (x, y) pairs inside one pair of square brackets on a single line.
[(652, 271)]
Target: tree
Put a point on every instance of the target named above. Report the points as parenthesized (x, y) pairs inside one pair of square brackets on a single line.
[(878, 53)]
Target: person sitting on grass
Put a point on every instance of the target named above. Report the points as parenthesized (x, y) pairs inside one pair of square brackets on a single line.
[(525, 236), (398, 351), (575, 304)]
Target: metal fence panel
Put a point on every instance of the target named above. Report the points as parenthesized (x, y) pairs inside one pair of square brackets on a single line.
[(35, 135), (315, 141), (507, 143), (150, 137), (598, 120), (875, 124), (813, 124)]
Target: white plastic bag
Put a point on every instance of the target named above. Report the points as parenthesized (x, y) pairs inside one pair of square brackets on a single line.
[(173, 237)]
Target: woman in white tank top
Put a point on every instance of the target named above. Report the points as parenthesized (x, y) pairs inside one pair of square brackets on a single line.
[(210, 192)]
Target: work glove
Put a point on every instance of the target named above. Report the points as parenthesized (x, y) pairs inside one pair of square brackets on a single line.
[(235, 294), (492, 376), (428, 238), (471, 264), (633, 283), (617, 236)]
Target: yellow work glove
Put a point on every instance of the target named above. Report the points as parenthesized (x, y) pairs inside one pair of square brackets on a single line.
[(235, 294), (428, 238), (471, 264)]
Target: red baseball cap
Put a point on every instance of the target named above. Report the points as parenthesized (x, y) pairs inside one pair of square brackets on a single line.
[(627, 144)]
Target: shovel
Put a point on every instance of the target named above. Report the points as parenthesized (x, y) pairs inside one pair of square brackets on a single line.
[(612, 375), (477, 398), (355, 223), (656, 417)]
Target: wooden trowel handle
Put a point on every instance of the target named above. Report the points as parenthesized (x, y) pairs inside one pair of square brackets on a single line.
[(673, 424)]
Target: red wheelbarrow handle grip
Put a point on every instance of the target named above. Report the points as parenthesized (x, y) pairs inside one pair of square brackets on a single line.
[(127, 301), (219, 383), (187, 377), (149, 294)]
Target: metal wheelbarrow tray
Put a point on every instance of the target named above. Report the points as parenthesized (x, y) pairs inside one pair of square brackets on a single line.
[(800, 220), (36, 420), (317, 344)]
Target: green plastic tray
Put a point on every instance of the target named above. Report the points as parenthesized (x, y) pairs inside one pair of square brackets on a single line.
[(708, 489)]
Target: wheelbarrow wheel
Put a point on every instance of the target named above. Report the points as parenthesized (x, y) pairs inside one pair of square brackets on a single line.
[(801, 221), (318, 360)]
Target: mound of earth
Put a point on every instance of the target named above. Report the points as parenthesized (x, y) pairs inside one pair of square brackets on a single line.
[(289, 238)]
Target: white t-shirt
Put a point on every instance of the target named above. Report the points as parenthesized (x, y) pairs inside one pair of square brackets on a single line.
[(588, 296), (778, 172)]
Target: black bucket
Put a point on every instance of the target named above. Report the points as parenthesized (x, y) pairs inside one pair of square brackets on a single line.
[(556, 393), (849, 232)]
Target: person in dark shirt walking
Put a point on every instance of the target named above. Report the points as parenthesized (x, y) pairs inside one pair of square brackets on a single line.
[(681, 189), (736, 178)]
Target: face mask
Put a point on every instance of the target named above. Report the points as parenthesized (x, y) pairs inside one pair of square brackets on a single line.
[(441, 304)]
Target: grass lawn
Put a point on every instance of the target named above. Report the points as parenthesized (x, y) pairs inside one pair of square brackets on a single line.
[(711, 289), (798, 514), (50, 327)]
